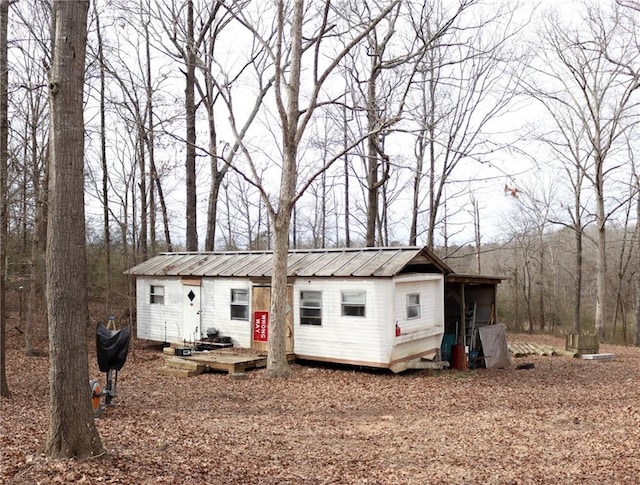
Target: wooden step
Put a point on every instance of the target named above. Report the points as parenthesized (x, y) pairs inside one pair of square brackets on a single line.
[(190, 365), (170, 371)]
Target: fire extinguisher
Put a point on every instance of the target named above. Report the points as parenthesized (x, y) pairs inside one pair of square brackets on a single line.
[(398, 332)]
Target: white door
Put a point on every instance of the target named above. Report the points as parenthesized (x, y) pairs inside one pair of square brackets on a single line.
[(190, 313)]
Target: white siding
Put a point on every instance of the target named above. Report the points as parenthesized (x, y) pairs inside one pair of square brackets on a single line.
[(368, 340), (216, 309), (348, 338), (424, 333), (159, 322), (163, 323)]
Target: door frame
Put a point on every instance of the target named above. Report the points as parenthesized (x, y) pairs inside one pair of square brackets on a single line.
[(191, 315)]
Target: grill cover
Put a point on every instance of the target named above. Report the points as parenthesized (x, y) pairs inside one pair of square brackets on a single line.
[(112, 347)]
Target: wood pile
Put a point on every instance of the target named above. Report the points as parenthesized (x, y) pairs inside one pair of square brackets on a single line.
[(524, 349)]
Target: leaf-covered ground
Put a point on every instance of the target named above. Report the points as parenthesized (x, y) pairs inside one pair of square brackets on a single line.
[(565, 421)]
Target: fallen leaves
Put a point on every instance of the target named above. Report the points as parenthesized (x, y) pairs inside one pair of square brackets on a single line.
[(565, 421)]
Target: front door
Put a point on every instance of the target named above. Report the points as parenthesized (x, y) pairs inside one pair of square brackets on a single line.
[(261, 312), (190, 312)]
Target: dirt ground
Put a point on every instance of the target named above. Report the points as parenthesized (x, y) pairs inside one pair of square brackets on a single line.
[(565, 421)]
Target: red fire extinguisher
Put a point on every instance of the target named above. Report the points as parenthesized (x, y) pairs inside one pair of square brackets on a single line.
[(398, 332)]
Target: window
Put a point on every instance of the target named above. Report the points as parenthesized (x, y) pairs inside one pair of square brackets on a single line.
[(239, 304), (353, 303), (413, 305), (156, 295), (311, 308)]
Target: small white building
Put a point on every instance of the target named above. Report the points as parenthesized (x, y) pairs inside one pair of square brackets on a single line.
[(377, 307)]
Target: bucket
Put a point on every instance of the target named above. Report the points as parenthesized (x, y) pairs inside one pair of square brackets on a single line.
[(458, 357)]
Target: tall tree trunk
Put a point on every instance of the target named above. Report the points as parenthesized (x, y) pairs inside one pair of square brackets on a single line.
[(154, 177), (35, 328), (542, 285), (476, 225), (214, 193), (417, 182), (431, 136), (24, 197), (217, 175), (602, 251), (637, 310), (143, 239), (277, 364), (105, 170), (526, 291), (345, 141), (72, 430), (577, 310), (372, 153), (190, 111), (154, 183), (4, 159)]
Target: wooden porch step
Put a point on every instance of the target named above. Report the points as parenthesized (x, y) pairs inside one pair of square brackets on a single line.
[(182, 363), (173, 372), (234, 363)]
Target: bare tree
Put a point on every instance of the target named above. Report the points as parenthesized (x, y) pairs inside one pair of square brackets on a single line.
[(593, 80), (567, 143), (4, 157), (635, 5), (637, 309), (103, 163), (179, 23), (130, 68), (625, 244), (297, 95), (194, 29), (536, 202), (30, 108), (465, 80), (72, 430)]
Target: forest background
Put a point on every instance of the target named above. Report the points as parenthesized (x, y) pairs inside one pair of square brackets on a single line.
[(503, 135)]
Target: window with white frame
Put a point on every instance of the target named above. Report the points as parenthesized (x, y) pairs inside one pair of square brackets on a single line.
[(413, 305), (353, 303), (240, 304), (156, 295), (311, 308)]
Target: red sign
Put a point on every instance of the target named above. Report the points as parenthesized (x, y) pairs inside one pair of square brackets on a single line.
[(260, 326)]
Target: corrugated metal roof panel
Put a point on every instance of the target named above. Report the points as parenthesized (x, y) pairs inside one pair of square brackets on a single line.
[(394, 264), (344, 262), (223, 261), (263, 266), (176, 265), (317, 265), (248, 265), (298, 260), (340, 264), (374, 263)]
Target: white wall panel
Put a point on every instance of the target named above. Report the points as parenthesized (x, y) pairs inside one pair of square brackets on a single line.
[(159, 322), (362, 339)]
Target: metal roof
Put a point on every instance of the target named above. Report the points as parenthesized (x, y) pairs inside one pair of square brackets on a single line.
[(343, 262)]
